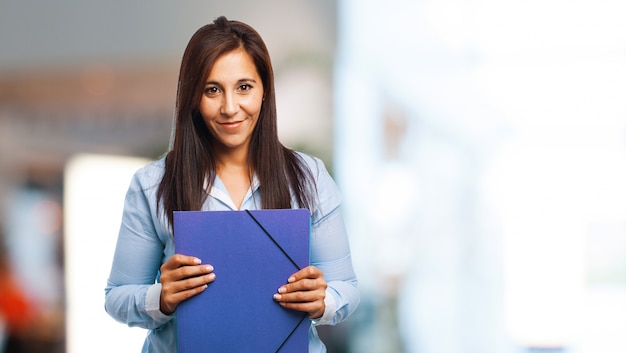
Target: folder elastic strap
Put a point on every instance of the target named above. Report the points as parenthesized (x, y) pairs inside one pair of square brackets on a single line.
[(292, 261)]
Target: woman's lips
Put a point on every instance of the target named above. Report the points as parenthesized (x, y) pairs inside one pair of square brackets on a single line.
[(231, 124)]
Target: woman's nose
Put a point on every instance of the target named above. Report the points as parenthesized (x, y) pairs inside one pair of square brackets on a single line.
[(230, 104)]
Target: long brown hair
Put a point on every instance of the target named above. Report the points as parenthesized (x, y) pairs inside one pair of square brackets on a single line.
[(280, 170)]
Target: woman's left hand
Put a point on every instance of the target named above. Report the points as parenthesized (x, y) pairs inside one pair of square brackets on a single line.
[(305, 291)]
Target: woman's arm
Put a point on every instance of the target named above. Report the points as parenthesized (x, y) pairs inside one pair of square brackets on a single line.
[(330, 253), (132, 294), (328, 289)]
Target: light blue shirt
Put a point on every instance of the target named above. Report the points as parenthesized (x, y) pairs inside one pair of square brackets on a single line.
[(145, 242)]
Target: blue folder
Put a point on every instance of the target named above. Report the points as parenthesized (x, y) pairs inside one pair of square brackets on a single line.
[(253, 253)]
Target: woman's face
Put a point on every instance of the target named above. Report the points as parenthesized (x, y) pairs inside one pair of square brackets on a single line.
[(232, 100)]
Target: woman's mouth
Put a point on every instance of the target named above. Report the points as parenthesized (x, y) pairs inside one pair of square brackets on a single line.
[(231, 124)]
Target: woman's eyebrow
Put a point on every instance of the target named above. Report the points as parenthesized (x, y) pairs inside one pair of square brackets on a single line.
[(246, 80), (241, 80)]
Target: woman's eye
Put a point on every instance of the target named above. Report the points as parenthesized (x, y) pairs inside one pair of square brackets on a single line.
[(211, 90), (245, 87)]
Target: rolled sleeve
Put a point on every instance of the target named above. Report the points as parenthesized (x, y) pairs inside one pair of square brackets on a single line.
[(153, 304)]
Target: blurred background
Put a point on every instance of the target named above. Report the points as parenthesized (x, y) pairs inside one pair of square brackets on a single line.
[(480, 146)]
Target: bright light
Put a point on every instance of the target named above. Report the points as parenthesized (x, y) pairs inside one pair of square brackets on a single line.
[(94, 197), (516, 145)]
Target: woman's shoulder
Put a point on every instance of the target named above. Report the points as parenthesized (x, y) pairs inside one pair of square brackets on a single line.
[(319, 172), (314, 164), (327, 193), (150, 173)]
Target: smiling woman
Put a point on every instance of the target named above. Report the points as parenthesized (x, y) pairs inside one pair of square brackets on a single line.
[(230, 108), (226, 155)]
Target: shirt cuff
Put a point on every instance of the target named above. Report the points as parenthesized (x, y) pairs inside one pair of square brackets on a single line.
[(153, 304), (329, 311)]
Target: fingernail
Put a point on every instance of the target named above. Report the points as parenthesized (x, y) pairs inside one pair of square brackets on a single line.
[(211, 275), (197, 261), (291, 279), (209, 268), (282, 290), (277, 296)]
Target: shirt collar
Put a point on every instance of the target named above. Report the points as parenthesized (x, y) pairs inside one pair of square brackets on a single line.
[(219, 192)]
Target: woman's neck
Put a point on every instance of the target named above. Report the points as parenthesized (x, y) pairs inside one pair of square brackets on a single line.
[(235, 173), (231, 158)]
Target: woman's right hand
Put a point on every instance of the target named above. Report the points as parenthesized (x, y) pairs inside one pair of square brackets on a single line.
[(182, 277)]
